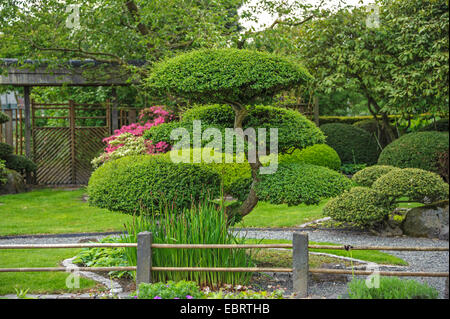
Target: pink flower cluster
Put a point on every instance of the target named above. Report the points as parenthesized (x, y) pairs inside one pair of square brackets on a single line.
[(158, 116)]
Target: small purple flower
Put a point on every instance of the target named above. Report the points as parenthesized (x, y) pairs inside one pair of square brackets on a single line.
[(135, 297), (157, 297), (189, 297), (176, 298)]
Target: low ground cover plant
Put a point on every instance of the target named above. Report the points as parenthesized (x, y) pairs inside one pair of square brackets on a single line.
[(391, 288), (170, 290)]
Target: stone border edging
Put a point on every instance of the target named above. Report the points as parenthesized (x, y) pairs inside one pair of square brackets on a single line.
[(113, 286)]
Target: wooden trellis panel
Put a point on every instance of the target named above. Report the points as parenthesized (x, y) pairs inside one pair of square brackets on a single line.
[(64, 154)]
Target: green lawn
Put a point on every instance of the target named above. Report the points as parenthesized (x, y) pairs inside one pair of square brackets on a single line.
[(52, 211), (269, 215), (366, 255), (38, 282)]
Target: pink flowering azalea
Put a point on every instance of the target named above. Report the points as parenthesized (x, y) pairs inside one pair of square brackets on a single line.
[(158, 116)]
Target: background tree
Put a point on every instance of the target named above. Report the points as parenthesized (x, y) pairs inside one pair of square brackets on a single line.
[(234, 77), (399, 66)]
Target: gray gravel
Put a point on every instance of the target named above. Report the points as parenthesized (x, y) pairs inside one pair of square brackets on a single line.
[(418, 261)]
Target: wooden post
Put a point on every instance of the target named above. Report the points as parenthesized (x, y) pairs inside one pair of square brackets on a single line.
[(316, 111), (9, 128), (131, 116), (114, 112), (300, 265), (72, 140), (144, 258), (26, 96)]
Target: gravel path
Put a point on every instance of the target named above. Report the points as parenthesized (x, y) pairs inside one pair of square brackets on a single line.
[(418, 261)]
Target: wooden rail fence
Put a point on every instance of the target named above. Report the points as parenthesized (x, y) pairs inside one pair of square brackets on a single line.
[(300, 254)]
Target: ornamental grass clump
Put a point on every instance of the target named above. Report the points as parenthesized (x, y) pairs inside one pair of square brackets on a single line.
[(391, 288), (204, 223)]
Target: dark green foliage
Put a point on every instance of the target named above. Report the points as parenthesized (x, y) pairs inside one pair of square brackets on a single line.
[(416, 184), (294, 129), (360, 206), (350, 168), (440, 125), (3, 172), (135, 184), (20, 163), (3, 118), (368, 125), (369, 175), (170, 290), (354, 145), (5, 150), (219, 75), (294, 184), (418, 150), (240, 187), (349, 119), (319, 154), (391, 288)]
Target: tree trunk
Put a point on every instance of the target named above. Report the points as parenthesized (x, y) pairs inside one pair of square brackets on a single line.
[(252, 199)]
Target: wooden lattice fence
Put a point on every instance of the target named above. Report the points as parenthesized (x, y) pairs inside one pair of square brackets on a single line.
[(63, 149)]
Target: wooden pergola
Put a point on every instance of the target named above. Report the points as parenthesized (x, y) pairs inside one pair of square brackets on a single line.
[(31, 73)]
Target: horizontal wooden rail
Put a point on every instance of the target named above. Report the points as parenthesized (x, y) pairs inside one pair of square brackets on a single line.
[(86, 245), (63, 269), (223, 246), (398, 248), (381, 273)]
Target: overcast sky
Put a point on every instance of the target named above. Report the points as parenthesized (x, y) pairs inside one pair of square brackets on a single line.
[(267, 19)]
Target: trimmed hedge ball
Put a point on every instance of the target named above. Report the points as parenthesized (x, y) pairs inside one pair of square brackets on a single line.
[(294, 184), (415, 184), (228, 172), (353, 144), (415, 150), (136, 184), (294, 129), (440, 125), (368, 125), (319, 154), (360, 206), (214, 75), (367, 176)]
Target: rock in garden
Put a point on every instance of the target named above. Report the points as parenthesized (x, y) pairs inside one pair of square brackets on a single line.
[(428, 221), (14, 184)]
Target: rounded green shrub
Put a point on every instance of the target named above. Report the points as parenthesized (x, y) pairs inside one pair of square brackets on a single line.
[(218, 75), (228, 172), (294, 184), (20, 163), (367, 176), (319, 154), (368, 125), (240, 188), (135, 184), (294, 129), (353, 144), (415, 184), (5, 150), (415, 150), (360, 206)]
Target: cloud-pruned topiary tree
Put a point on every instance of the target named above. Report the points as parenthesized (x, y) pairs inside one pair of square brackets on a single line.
[(234, 77)]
